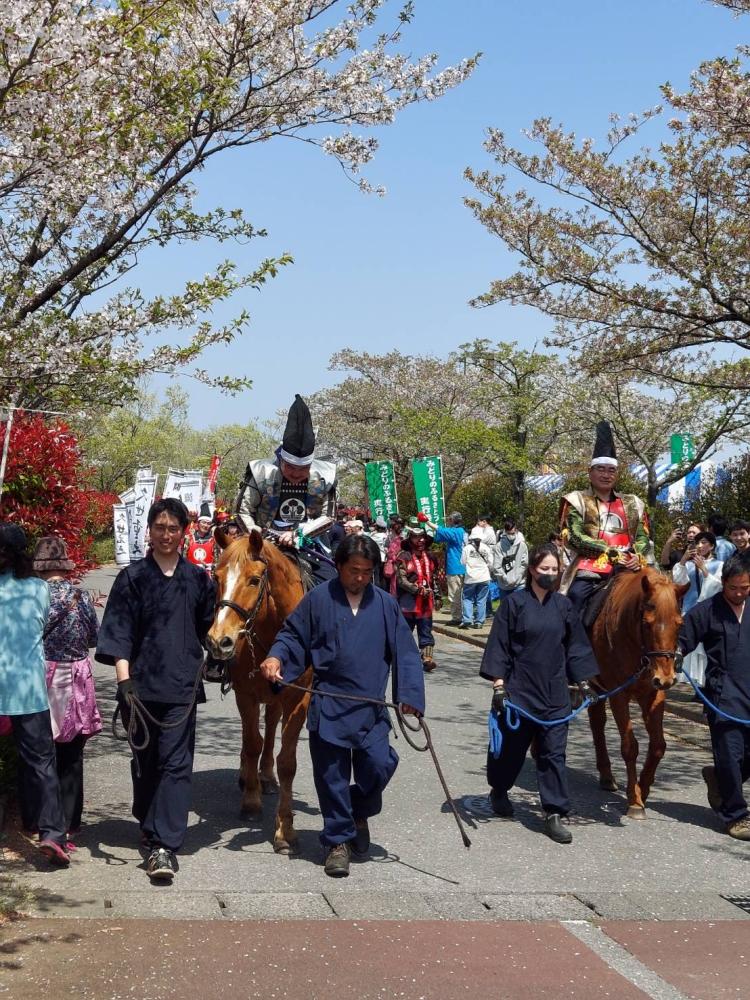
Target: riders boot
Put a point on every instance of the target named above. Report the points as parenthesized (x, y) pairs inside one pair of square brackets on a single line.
[(427, 661), (555, 830)]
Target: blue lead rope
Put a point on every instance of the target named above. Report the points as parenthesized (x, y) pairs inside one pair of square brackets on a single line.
[(513, 715), (709, 704)]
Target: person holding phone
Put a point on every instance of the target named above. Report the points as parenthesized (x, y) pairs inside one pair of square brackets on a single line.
[(702, 571)]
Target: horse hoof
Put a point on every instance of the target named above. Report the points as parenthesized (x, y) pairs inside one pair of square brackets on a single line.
[(269, 786), (285, 847), (636, 812), (608, 784)]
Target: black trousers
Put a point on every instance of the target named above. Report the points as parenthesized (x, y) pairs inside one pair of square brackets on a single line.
[(731, 746), (70, 773), (162, 775), (580, 590), (551, 742), (38, 785)]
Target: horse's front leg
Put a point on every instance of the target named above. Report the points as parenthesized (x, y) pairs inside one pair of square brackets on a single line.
[(268, 783), (285, 836), (652, 707), (598, 722), (620, 706), (252, 743)]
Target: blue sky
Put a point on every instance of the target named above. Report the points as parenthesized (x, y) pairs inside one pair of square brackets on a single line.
[(396, 272)]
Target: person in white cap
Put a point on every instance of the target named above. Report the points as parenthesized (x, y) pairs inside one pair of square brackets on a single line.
[(601, 528), (283, 492)]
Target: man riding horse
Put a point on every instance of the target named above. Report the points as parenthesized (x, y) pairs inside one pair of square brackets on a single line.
[(602, 529), (281, 494)]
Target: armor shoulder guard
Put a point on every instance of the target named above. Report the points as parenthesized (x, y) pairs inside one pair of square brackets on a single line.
[(262, 470), (576, 501), (326, 471)]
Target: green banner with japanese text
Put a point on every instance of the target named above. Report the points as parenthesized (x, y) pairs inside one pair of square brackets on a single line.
[(381, 489), (682, 447), (428, 487)]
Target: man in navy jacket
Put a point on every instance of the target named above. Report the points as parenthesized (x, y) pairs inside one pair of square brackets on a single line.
[(353, 634)]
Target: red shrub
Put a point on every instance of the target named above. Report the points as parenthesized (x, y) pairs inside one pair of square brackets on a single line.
[(45, 486)]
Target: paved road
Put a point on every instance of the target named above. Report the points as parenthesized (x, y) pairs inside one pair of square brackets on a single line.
[(443, 900)]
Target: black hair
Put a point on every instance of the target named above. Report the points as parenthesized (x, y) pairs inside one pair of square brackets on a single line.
[(554, 536), (169, 505), (740, 526), (510, 522), (14, 554), (357, 545), (736, 565), (485, 517), (708, 535), (540, 553), (717, 523)]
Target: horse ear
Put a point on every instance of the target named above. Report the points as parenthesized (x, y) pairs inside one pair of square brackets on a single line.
[(681, 589), (221, 537), (255, 541)]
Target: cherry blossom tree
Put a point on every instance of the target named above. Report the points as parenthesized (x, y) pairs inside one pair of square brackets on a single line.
[(108, 110), (640, 258)]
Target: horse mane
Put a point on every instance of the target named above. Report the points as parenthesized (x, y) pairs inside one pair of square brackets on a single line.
[(622, 610), (239, 553)]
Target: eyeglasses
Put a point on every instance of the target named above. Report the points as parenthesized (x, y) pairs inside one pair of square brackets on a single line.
[(166, 529)]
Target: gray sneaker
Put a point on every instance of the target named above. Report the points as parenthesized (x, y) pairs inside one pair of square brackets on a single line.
[(740, 829), (337, 861), (161, 865)]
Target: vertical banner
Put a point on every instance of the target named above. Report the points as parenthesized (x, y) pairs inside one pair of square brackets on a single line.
[(185, 486), (381, 489), (122, 547), (682, 447), (144, 492), (213, 474), (428, 487)]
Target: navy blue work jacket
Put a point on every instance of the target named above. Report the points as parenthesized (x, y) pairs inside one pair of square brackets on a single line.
[(351, 654), (159, 624), (726, 641), (537, 648)]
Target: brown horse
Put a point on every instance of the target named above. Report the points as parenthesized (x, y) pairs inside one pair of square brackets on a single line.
[(635, 634), (257, 587)]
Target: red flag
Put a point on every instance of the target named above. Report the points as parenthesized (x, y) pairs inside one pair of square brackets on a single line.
[(213, 473)]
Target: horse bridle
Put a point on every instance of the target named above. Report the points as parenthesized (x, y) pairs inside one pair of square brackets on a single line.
[(248, 617)]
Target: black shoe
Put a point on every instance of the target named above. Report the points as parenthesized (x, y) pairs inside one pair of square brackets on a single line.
[(555, 830), (501, 804), (465, 625), (337, 861), (161, 865), (361, 842), (478, 624)]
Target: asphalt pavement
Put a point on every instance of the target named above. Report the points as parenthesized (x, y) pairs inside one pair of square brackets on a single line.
[(515, 910)]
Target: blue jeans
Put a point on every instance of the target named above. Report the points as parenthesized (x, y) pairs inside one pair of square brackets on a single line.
[(474, 599)]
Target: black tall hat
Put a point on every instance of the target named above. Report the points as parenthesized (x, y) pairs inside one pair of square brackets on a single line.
[(205, 511), (604, 446), (298, 444)]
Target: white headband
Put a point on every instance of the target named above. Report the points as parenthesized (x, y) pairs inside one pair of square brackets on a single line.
[(295, 459), (606, 460)]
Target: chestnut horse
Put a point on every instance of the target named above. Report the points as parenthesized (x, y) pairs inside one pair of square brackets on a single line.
[(257, 587), (635, 634)]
